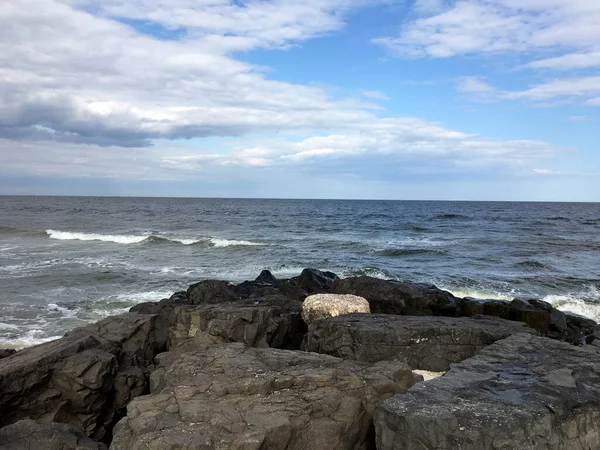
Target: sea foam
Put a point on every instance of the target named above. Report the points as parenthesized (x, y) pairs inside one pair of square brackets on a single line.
[(119, 239), (136, 239)]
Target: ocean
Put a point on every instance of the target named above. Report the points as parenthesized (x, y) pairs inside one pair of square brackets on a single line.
[(68, 261)]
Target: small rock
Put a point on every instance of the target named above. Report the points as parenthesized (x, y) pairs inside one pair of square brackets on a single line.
[(320, 306)]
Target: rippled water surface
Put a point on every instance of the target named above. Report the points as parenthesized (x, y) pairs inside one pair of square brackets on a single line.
[(65, 261)]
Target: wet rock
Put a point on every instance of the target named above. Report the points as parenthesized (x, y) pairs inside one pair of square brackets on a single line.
[(235, 397), (82, 379), (427, 343), (210, 292), (266, 278), (315, 281), (391, 297), (267, 285), (469, 306), (320, 306), (497, 308), (523, 392), (34, 435), (580, 329), (5, 353), (537, 316)]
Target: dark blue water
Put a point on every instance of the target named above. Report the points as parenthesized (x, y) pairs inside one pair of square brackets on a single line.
[(65, 261)]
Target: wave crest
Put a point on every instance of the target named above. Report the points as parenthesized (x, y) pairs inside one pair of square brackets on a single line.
[(154, 239), (409, 251)]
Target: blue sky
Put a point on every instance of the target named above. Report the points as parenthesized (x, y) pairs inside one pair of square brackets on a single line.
[(415, 99)]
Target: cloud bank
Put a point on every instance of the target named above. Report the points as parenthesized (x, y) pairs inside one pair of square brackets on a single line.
[(114, 88)]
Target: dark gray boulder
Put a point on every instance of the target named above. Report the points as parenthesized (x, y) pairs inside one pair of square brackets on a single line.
[(536, 315), (497, 308), (4, 353), (580, 329), (273, 321), (392, 297), (523, 392), (266, 278), (234, 397), (39, 435), (427, 343), (83, 379), (314, 281), (211, 291), (469, 306)]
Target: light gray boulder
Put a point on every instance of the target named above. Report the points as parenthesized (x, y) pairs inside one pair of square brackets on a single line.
[(321, 306)]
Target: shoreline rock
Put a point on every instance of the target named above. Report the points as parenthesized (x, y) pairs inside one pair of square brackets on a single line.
[(246, 338), (522, 392), (425, 343)]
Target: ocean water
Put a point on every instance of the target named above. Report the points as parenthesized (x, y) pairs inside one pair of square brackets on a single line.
[(67, 261)]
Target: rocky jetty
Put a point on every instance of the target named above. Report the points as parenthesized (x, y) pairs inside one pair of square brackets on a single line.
[(236, 366)]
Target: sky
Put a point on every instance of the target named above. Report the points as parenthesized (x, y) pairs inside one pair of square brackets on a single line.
[(365, 99)]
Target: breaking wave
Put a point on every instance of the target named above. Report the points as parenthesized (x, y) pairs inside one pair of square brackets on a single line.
[(409, 251), (137, 239)]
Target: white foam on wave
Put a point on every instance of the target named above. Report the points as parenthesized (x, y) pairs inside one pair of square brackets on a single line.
[(29, 339), (119, 239), (136, 239), (186, 241), (65, 312), (231, 242), (140, 297), (487, 295), (8, 326), (585, 303)]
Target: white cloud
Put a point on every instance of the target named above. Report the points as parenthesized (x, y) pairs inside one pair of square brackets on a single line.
[(565, 88), (375, 95), (73, 77), (474, 85), (568, 61), (566, 29), (495, 26)]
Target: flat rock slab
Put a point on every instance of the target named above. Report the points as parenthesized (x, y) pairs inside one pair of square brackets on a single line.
[(523, 392), (33, 435), (233, 397), (423, 342)]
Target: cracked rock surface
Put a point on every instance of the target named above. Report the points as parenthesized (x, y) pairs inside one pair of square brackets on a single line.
[(230, 396), (423, 342), (523, 392)]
